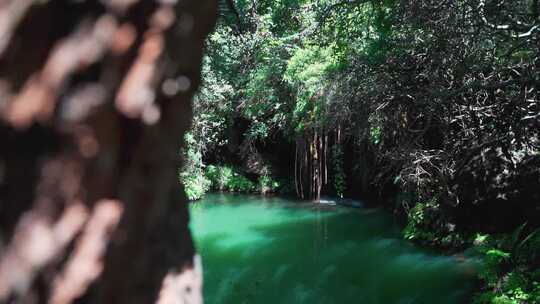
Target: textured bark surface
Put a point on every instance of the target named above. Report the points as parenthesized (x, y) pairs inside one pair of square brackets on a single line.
[(95, 97)]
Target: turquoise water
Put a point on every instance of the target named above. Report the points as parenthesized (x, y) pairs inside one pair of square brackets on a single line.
[(273, 250)]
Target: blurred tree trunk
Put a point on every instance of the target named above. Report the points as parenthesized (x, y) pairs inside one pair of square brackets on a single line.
[(95, 97)]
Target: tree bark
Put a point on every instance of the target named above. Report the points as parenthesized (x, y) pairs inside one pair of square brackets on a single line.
[(95, 97)]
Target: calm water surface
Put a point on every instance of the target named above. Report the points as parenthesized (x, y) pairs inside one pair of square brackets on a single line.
[(272, 250)]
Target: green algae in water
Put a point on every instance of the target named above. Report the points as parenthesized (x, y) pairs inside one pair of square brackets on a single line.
[(260, 250)]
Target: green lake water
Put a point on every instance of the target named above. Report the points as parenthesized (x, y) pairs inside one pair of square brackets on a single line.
[(260, 250)]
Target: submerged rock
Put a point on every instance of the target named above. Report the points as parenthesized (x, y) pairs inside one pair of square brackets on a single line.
[(350, 203), (341, 201), (327, 201)]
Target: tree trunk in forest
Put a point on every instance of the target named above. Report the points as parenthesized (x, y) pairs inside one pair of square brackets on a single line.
[(95, 97)]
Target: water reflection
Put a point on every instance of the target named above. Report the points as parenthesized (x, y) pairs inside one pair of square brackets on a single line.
[(270, 250)]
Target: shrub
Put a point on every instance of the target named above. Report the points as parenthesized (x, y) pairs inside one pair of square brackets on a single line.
[(239, 183), (267, 184), (227, 178), (219, 176), (427, 224), (195, 185), (506, 271), (419, 219), (192, 174)]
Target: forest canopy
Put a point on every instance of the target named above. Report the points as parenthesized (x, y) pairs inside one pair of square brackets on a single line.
[(430, 98)]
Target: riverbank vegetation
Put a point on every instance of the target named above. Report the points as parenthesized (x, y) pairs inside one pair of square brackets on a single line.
[(429, 107)]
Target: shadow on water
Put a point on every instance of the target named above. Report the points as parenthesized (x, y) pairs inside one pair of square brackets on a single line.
[(273, 251)]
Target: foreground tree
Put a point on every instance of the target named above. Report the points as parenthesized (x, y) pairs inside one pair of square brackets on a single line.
[(94, 99)]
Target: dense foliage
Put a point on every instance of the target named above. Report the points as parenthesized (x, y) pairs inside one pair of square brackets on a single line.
[(436, 101)]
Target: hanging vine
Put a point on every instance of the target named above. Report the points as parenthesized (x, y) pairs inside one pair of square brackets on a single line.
[(311, 168)]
